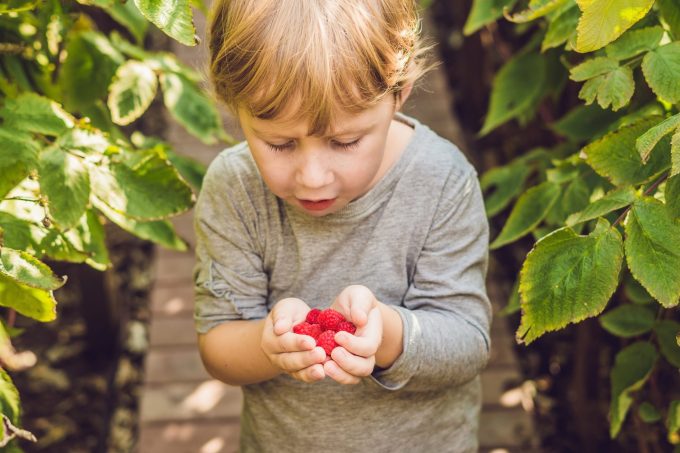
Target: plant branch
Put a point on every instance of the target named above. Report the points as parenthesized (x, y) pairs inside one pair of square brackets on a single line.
[(651, 189)]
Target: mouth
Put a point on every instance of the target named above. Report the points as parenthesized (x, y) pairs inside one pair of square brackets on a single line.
[(317, 205)]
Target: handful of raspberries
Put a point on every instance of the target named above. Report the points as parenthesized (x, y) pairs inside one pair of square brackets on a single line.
[(322, 325)]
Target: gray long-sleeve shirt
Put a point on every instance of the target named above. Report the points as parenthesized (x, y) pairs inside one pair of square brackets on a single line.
[(418, 239)]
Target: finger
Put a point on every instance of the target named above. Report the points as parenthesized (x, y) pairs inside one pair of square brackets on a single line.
[(358, 312), (352, 364), (293, 342), (366, 341), (296, 361), (282, 324), (310, 374), (336, 373)]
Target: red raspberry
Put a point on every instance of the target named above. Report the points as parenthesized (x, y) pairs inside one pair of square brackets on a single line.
[(347, 327), (313, 315), (327, 341), (304, 328), (329, 319)]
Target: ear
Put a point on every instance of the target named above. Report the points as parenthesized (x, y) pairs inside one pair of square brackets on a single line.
[(403, 95)]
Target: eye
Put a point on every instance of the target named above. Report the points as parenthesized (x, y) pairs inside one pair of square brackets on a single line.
[(347, 146), (279, 148)]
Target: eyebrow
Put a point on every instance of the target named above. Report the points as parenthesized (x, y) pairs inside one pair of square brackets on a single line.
[(349, 131)]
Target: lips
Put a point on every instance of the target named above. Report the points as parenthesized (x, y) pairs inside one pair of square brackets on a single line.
[(317, 205)]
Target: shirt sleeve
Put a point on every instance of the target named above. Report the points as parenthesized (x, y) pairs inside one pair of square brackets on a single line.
[(446, 312), (229, 280)]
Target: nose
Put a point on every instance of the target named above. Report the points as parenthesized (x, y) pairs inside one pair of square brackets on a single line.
[(313, 171)]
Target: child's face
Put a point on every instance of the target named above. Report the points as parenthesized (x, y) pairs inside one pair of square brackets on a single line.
[(321, 175)]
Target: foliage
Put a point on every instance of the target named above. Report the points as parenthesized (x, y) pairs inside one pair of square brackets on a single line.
[(68, 166), (603, 205)]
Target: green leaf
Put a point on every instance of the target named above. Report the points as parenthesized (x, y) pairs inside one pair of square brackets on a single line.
[(484, 12), (191, 170), (673, 419), (635, 42), (35, 303), (661, 68), (16, 233), (531, 207), (89, 237), (616, 199), (160, 232), (672, 195), (131, 92), (504, 183), (593, 68), (567, 278), (670, 13), (17, 6), (635, 292), (666, 333), (34, 113), (675, 153), (574, 198), (173, 17), (648, 413), (602, 21), (584, 122), (517, 88), (88, 69), (18, 156), (628, 320), (632, 368), (28, 270), (653, 250), (127, 14), (536, 10), (191, 108), (57, 246), (615, 157), (647, 141), (614, 88), (513, 305), (561, 28), (148, 189), (9, 398), (85, 141), (65, 181)]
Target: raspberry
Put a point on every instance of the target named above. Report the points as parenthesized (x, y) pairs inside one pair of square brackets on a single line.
[(313, 316), (304, 328), (347, 327), (329, 319), (327, 341)]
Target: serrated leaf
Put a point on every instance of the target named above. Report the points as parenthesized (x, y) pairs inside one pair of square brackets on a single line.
[(673, 418), (57, 246), (191, 107), (517, 88), (9, 398), (593, 67), (616, 199), (675, 153), (602, 21), (615, 157), (567, 278), (88, 69), (653, 250), (16, 233), (531, 207), (584, 122), (484, 12), (647, 141), (661, 68), (504, 184), (35, 303), (65, 181), (628, 320), (131, 92), (536, 10), (632, 368), (614, 88), (148, 189), (635, 292), (28, 270), (635, 42), (672, 195), (160, 232), (89, 237), (561, 28), (127, 14), (666, 333), (173, 17), (31, 112), (87, 141), (191, 170), (648, 413), (670, 13), (18, 156)]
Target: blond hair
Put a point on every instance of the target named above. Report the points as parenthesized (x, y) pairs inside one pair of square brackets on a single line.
[(323, 55)]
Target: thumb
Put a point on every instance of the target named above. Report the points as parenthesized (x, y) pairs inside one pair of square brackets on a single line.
[(282, 324)]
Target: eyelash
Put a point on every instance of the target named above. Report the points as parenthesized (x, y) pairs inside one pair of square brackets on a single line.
[(286, 146)]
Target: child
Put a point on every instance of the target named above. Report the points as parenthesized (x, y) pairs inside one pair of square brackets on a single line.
[(336, 199)]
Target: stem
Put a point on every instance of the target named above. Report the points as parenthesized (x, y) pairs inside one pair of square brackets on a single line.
[(11, 317), (651, 189), (30, 200)]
